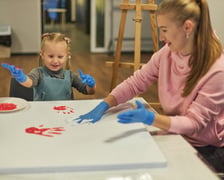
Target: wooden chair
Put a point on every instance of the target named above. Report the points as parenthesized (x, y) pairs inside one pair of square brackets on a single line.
[(61, 11), (17, 90)]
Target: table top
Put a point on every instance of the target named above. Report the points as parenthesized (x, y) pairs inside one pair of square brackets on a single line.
[(177, 159)]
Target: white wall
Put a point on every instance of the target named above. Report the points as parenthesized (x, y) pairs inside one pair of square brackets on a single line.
[(24, 17), (217, 14), (129, 32)]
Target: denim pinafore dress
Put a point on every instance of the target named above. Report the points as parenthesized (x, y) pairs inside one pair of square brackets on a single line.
[(51, 88)]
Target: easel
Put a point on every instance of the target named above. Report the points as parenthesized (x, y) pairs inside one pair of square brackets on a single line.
[(138, 7)]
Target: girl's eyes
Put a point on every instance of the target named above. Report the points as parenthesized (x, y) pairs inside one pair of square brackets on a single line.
[(51, 56)]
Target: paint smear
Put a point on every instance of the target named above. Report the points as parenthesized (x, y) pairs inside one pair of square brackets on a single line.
[(63, 109), (7, 106)]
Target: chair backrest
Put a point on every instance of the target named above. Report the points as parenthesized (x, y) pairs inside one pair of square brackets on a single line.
[(17, 90), (51, 4)]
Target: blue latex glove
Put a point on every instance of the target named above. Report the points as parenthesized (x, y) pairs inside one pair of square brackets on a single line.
[(95, 114), (87, 79), (17, 73), (141, 114)]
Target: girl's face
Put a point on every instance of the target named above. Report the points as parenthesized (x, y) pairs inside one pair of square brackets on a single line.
[(54, 55), (174, 35)]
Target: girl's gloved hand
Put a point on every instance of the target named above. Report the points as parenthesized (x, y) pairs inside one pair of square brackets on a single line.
[(141, 114), (16, 72), (87, 79), (95, 115)]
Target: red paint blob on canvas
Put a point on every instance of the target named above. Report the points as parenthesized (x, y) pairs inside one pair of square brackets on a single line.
[(59, 108), (63, 109), (7, 106)]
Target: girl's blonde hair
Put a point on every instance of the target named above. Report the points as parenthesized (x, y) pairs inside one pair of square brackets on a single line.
[(56, 37), (207, 49)]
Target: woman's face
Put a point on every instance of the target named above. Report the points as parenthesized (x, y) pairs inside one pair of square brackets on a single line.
[(54, 55), (173, 34)]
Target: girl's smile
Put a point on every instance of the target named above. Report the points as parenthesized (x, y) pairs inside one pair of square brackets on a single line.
[(54, 55)]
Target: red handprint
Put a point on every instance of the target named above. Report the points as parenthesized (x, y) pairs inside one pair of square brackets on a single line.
[(44, 131), (64, 109)]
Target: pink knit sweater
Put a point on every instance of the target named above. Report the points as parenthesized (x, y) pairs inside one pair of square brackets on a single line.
[(200, 115)]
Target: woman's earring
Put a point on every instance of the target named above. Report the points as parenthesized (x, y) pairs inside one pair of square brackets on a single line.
[(187, 36)]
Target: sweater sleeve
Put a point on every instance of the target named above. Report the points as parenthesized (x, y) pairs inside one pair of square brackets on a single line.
[(77, 83), (207, 105), (138, 82), (35, 76)]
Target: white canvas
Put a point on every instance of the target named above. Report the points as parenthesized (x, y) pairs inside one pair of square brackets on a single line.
[(105, 145)]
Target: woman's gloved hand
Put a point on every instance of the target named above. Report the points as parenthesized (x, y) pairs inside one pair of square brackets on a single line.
[(16, 72), (139, 115), (87, 79), (96, 114)]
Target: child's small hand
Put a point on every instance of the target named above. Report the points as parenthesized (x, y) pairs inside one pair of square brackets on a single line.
[(17, 73), (89, 80)]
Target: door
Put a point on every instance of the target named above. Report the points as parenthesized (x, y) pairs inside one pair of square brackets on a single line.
[(100, 25)]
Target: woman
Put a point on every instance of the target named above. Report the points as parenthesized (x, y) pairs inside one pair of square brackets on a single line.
[(190, 74)]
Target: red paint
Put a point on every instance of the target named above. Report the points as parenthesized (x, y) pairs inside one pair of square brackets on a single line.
[(7, 106), (44, 131), (64, 109), (59, 108)]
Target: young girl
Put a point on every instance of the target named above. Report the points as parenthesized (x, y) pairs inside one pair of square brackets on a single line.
[(189, 70), (53, 80)]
